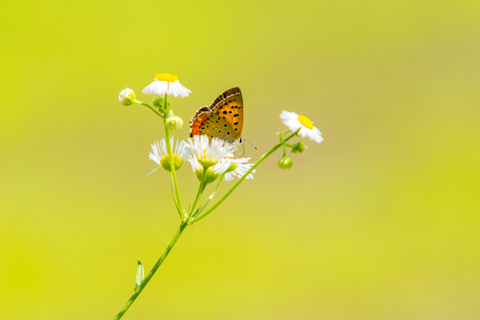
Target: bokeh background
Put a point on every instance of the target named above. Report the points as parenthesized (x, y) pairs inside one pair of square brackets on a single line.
[(380, 221)]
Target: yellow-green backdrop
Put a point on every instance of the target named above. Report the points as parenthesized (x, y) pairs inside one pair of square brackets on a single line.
[(380, 221)]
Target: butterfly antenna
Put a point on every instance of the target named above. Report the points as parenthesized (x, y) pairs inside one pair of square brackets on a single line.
[(251, 144)]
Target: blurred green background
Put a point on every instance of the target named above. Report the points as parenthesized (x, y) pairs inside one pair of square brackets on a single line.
[(380, 221)]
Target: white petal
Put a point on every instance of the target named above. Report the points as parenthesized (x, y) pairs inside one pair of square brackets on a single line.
[(290, 120), (156, 88), (178, 90)]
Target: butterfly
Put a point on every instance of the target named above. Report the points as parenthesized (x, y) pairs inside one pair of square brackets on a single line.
[(223, 119)]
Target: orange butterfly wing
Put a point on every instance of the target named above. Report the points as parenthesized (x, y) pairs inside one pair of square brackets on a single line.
[(223, 119)]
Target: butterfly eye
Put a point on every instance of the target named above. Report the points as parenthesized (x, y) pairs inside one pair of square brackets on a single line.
[(240, 140)]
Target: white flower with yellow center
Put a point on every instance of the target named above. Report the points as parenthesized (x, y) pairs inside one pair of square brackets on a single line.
[(208, 153), (209, 159), (238, 168), (166, 83), (160, 153), (295, 122), (210, 174)]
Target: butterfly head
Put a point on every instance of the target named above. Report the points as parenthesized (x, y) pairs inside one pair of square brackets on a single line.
[(239, 142)]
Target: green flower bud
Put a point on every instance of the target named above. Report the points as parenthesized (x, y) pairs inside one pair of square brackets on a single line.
[(159, 102), (173, 122), (127, 97), (299, 147), (177, 162), (285, 163)]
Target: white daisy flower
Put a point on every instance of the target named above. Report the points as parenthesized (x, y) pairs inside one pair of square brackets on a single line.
[(218, 168), (212, 173), (209, 153), (166, 83), (160, 153), (238, 168), (294, 122)]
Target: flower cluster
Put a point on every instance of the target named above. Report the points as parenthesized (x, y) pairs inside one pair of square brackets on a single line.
[(209, 159)]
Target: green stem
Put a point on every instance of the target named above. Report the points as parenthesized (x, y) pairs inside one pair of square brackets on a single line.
[(172, 166), (201, 188), (211, 196), (151, 108), (142, 285), (262, 158)]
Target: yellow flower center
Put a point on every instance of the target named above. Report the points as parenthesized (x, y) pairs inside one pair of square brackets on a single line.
[(207, 163), (165, 162), (306, 121), (166, 77)]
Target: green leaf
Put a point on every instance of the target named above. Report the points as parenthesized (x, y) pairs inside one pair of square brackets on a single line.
[(140, 274)]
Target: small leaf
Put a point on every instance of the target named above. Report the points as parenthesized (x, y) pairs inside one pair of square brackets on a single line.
[(140, 274)]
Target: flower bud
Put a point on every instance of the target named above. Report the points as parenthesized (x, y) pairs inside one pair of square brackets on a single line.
[(127, 97), (285, 163), (159, 102), (173, 122), (299, 147), (177, 162)]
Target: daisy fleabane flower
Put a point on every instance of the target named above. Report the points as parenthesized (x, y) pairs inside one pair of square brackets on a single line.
[(166, 83), (210, 174), (160, 153), (294, 122), (207, 152), (238, 168)]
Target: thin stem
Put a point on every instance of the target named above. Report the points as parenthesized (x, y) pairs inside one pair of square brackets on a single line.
[(201, 188), (262, 158), (151, 108), (172, 166), (142, 285), (211, 196)]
